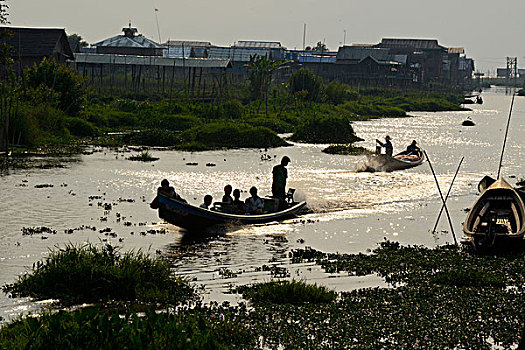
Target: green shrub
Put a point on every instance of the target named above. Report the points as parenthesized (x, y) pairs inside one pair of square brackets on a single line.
[(326, 130), (43, 123), (175, 122), (88, 274), (130, 106), (154, 137), (275, 124), (81, 127), (61, 79), (231, 135), (337, 93), (232, 109), (288, 292), (305, 80)]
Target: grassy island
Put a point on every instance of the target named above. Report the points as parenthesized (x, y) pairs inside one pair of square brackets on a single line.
[(63, 112)]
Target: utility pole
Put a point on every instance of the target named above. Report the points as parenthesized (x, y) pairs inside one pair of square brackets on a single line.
[(344, 38), (157, 19), (304, 37)]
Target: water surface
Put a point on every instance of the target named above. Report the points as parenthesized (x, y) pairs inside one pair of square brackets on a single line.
[(351, 211)]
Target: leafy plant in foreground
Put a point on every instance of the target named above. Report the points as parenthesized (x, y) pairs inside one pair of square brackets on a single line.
[(288, 292), (89, 274)]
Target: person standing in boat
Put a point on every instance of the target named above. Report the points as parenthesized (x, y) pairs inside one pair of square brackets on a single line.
[(280, 174), (389, 149)]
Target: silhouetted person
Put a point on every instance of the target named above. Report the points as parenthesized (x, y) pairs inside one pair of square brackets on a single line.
[(238, 205), (207, 202), (254, 204), (389, 149), (413, 148), (280, 174)]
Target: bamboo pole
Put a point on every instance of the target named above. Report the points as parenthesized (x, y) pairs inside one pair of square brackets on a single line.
[(448, 193), (442, 199)]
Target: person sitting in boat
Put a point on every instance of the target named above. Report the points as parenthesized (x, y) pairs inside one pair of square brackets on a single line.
[(413, 148), (207, 202), (168, 191), (389, 149), (238, 206), (254, 204), (227, 200), (280, 174)]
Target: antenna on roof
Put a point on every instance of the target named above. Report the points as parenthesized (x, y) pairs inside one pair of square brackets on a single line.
[(157, 19), (304, 36)]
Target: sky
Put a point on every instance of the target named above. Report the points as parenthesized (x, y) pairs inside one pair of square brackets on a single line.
[(488, 30)]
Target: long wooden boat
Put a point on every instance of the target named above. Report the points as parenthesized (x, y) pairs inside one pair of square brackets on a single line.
[(401, 161), (497, 215), (188, 216)]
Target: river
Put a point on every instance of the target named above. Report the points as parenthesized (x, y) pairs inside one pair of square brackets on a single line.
[(350, 211)]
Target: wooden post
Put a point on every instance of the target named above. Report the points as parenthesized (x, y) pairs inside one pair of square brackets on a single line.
[(200, 78)]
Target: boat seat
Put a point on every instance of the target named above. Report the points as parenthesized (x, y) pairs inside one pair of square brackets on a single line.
[(500, 198)]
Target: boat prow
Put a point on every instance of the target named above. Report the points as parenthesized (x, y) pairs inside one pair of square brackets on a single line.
[(497, 215)]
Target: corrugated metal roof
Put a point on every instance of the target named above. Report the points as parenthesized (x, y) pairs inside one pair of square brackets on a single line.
[(124, 41), (316, 59), (413, 43), (460, 50), (259, 44), (236, 54), (187, 43), (153, 61), (357, 53), (38, 42), (176, 51)]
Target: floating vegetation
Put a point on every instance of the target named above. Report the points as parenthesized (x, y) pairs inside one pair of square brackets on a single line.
[(347, 150), (211, 164), (94, 328), (29, 231), (192, 164), (143, 157), (130, 200), (80, 274), (44, 186), (287, 292)]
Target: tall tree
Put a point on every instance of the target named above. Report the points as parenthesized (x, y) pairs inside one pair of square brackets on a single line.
[(260, 71), (320, 47), (76, 42)]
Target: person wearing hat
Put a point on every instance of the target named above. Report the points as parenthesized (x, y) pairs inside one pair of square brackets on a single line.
[(280, 174), (389, 149)]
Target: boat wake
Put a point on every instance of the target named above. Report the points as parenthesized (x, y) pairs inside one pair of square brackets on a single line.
[(370, 165)]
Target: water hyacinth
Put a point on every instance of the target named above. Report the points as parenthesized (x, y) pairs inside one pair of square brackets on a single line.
[(89, 274)]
